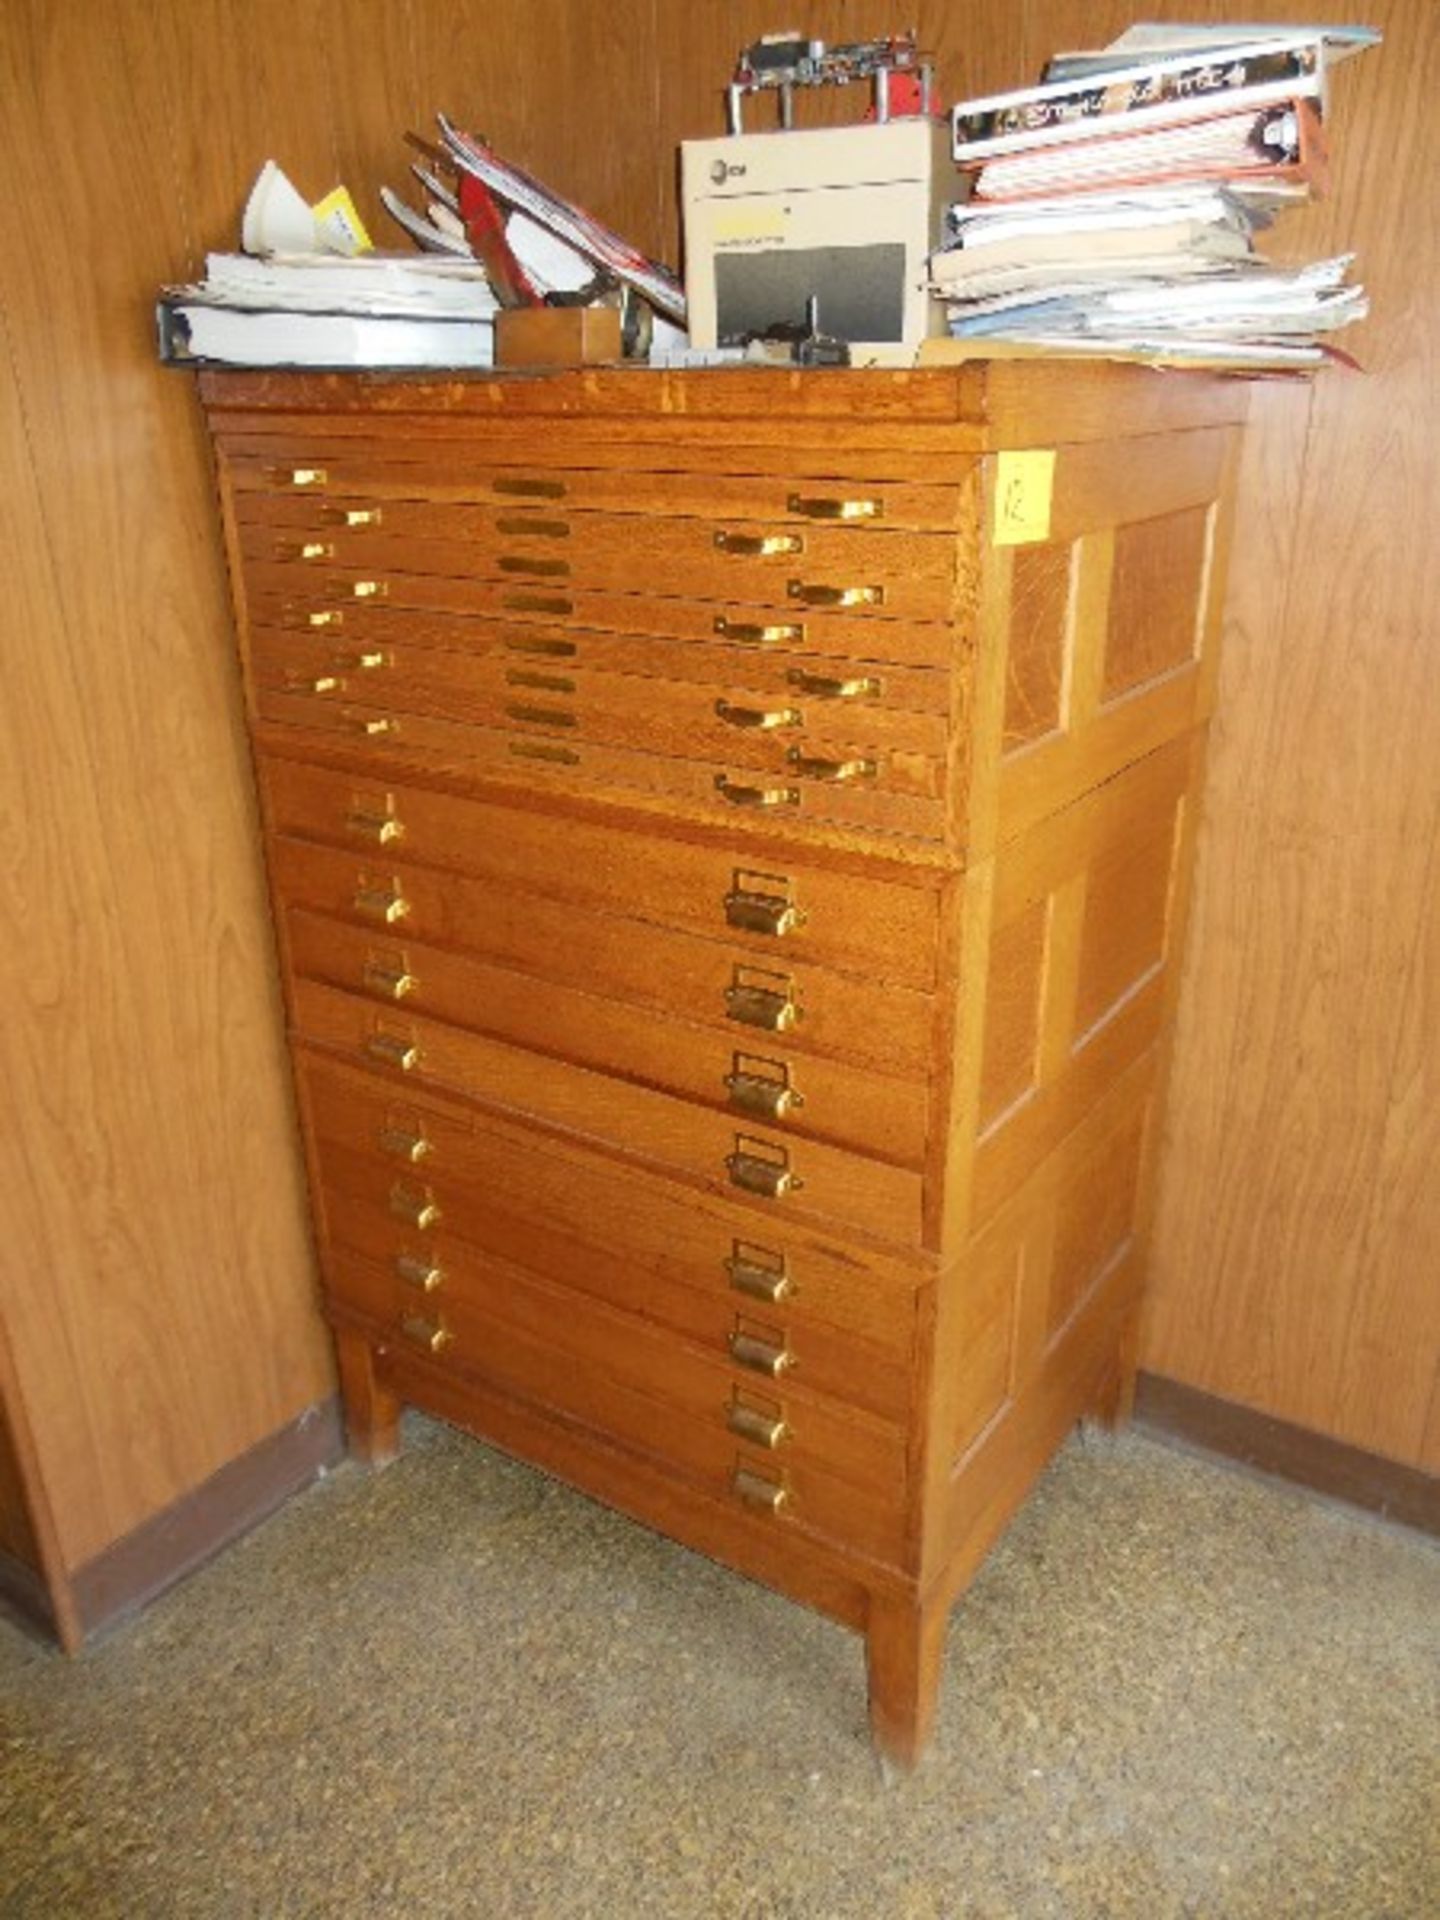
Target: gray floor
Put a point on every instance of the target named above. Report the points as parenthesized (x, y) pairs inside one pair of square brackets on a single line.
[(457, 1689)]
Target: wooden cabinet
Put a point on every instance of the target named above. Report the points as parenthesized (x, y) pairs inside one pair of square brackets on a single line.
[(728, 836)]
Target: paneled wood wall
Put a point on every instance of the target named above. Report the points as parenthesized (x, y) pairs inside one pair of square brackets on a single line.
[(155, 1276)]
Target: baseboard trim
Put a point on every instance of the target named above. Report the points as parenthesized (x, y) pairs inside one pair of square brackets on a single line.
[(1308, 1459), (139, 1567)]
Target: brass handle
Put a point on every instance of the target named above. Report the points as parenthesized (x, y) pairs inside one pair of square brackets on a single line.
[(769, 913), (761, 1279), (542, 529), (322, 683), (433, 1335), (819, 507), (760, 1429), (390, 983), (541, 682), (315, 550), (761, 719), (834, 771), (756, 1491), (522, 563), (771, 1179), (743, 796), (369, 589), (416, 1272), (392, 1051), (351, 516), (371, 726), (403, 1144), (381, 903), (543, 643), (766, 1007), (866, 687), (759, 1094), (383, 828), (814, 595), (537, 603), (326, 617), (745, 633), (415, 1208), (522, 487), (761, 1356), (541, 716), (759, 543), (365, 662), (299, 476)]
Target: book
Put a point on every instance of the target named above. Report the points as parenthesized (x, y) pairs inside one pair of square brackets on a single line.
[(397, 283), (194, 330), (1173, 244), (1162, 93), (1166, 39)]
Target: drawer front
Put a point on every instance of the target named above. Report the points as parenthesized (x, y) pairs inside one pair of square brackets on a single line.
[(880, 573), (342, 478), (837, 781), (362, 926), (756, 1156), (288, 653), (884, 929), (294, 598), (724, 1068), (677, 1256), (842, 1478)]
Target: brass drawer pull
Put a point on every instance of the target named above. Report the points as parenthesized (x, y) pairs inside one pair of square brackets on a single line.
[(402, 1144), (518, 486), (759, 543), (866, 687), (756, 1491), (542, 682), (745, 633), (831, 770), (392, 1051), (559, 649), (762, 1279), (327, 617), (383, 828), (824, 508), (771, 1178), (390, 983), (522, 563), (351, 516), (754, 912), (371, 726), (381, 903), (814, 595), (760, 719), (537, 603), (432, 1335), (542, 750), (369, 589), (365, 662), (416, 1272), (541, 716), (299, 476), (769, 1008), (761, 1095), (415, 1208), (760, 1429), (760, 1356), (540, 529), (743, 796), (322, 683), (304, 550)]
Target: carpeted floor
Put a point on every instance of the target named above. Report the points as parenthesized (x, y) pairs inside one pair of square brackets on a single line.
[(456, 1688)]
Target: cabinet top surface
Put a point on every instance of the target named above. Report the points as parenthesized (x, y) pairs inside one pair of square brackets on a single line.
[(977, 405)]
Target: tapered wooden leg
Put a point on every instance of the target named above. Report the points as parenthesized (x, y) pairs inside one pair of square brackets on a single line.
[(904, 1651), (372, 1411)]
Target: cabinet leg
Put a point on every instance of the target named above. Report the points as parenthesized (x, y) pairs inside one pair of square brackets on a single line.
[(372, 1411), (904, 1650), (1116, 1400)]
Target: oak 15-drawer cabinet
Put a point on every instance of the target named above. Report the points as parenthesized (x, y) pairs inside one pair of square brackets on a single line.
[(728, 834)]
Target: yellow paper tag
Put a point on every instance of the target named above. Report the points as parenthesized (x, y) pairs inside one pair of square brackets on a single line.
[(1024, 484), (338, 223)]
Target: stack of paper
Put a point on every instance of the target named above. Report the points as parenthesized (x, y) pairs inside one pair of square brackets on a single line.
[(1113, 208)]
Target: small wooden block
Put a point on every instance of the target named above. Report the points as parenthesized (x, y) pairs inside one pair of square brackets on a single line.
[(556, 336)]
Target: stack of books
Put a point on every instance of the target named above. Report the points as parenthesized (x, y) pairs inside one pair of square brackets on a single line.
[(1113, 208)]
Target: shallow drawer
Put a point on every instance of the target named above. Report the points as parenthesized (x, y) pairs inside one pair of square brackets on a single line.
[(837, 780), (689, 1260), (370, 922), (842, 1476), (289, 596), (839, 915), (754, 1074), (872, 570), (341, 478), (792, 1174)]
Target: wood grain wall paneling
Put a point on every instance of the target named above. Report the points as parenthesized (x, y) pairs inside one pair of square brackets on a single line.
[(156, 1289)]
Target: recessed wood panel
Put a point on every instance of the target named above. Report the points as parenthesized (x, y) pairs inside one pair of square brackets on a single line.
[(1039, 623), (1122, 940), (1012, 1011), (1095, 1218), (1156, 598)]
